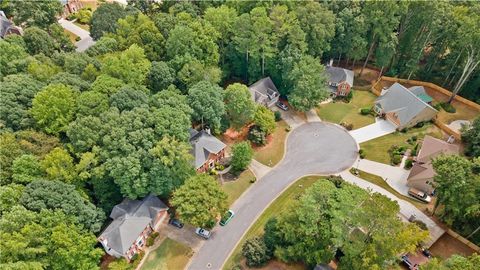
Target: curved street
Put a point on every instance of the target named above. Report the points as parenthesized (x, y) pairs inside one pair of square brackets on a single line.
[(313, 148)]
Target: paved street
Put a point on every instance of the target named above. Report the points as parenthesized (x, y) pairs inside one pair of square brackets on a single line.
[(312, 148), (378, 129), (85, 40)]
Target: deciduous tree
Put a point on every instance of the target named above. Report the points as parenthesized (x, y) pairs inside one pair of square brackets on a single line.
[(104, 19), (35, 13), (265, 119), (131, 66), (242, 154), (206, 100), (239, 105)]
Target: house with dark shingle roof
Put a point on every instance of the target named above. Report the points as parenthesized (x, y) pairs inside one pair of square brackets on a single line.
[(422, 173), (133, 221), (404, 108), (340, 80), (206, 150), (264, 92), (7, 27)]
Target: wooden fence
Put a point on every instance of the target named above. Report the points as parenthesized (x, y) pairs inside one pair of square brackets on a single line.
[(464, 241)]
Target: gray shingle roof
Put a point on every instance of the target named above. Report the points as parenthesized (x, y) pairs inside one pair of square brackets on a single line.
[(338, 75), (130, 218), (4, 24), (202, 145), (263, 89), (406, 104)]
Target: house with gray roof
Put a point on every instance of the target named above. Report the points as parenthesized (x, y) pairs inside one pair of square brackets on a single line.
[(133, 221), (404, 108), (340, 80), (206, 150), (7, 27), (264, 92)]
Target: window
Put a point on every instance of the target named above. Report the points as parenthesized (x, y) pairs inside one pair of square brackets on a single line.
[(140, 242), (211, 164)]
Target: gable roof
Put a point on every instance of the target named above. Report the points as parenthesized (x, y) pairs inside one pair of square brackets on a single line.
[(338, 75), (404, 103), (431, 148), (203, 144), (420, 92), (130, 218), (263, 89), (7, 27)]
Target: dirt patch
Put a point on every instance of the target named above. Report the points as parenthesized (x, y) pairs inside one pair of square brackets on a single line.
[(446, 246), (105, 261), (276, 265)]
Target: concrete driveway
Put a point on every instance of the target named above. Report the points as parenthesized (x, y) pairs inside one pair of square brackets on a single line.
[(290, 117), (85, 39), (312, 148), (396, 177), (378, 129)]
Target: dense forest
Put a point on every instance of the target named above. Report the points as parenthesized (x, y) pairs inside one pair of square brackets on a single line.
[(81, 131)]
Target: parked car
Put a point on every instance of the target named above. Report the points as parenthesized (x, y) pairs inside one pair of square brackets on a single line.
[(422, 196), (203, 233), (426, 253), (175, 222), (406, 261), (227, 217), (282, 105)]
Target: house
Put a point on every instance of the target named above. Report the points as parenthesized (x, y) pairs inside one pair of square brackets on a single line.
[(133, 221), (422, 173), (71, 6), (7, 27), (340, 80), (206, 150), (404, 108), (264, 92)]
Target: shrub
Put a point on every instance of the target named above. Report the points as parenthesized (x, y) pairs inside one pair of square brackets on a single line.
[(396, 159), (278, 116), (420, 224), (448, 107), (420, 124), (347, 126), (257, 136), (77, 38), (437, 106), (253, 180), (151, 239), (349, 97), (212, 172), (287, 129), (72, 16), (336, 180), (219, 167), (365, 111), (255, 251), (242, 154), (408, 164)]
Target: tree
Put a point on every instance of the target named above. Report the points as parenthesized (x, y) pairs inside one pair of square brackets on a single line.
[(58, 165), (453, 263), (255, 251), (200, 200), (103, 46), (53, 108), (104, 19), (194, 72), (9, 151), (309, 84), (128, 98), (106, 84), (206, 100), (263, 40), (91, 103), (42, 68), (471, 137), (38, 41), (61, 39), (25, 169), (222, 19), (75, 81), (265, 119), (10, 55), (35, 13), (84, 15), (131, 66), (55, 195), (239, 105), (76, 63), (161, 76), (17, 94), (9, 197), (242, 154)]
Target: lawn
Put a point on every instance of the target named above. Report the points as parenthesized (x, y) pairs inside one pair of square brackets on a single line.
[(338, 112), (83, 26), (169, 255), (275, 208), (272, 153), (71, 36), (234, 189), (377, 149)]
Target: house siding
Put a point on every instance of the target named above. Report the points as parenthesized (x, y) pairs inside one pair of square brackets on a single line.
[(211, 158), (343, 92), (422, 184)]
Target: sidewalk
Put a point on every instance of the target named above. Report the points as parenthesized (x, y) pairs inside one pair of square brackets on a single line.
[(312, 116)]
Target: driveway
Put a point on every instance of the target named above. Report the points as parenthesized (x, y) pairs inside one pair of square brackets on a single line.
[(186, 235), (378, 129), (312, 148), (292, 119), (85, 39), (396, 177)]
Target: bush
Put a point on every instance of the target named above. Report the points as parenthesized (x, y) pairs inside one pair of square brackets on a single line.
[(72, 16), (336, 180), (408, 164), (253, 180), (219, 167), (255, 251), (365, 111), (420, 224), (349, 97), (278, 116), (347, 126), (242, 154), (77, 38), (257, 136), (396, 159), (448, 107), (437, 106), (213, 172), (420, 124), (151, 239), (287, 129)]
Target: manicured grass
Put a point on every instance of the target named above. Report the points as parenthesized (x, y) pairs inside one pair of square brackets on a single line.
[(276, 207), (169, 255), (377, 149), (71, 36), (339, 111), (272, 153), (83, 26), (234, 189)]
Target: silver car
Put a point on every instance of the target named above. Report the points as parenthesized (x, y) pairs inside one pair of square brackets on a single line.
[(203, 233)]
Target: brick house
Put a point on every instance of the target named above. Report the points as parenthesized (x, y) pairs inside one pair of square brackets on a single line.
[(133, 221), (71, 6), (340, 80), (206, 150)]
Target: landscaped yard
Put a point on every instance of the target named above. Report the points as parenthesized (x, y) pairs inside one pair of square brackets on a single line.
[(234, 189), (377, 149), (71, 36), (83, 26), (338, 112), (169, 255), (275, 208), (273, 152)]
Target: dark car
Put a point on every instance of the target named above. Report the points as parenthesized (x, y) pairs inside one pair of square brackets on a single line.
[(282, 105), (176, 223), (426, 253), (406, 261)]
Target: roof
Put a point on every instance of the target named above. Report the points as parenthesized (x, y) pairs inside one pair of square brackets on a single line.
[(263, 89), (203, 144), (5, 23), (403, 102), (431, 148), (338, 75), (130, 218), (420, 92)]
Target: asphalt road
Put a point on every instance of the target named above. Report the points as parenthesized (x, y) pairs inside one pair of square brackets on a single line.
[(312, 148)]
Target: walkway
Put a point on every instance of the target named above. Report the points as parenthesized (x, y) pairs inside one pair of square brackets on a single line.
[(312, 116), (378, 129), (406, 208), (85, 39), (258, 169), (396, 177)]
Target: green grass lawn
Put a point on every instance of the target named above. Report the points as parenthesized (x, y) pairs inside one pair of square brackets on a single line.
[(83, 26), (276, 207), (234, 189), (71, 36), (170, 255), (272, 153), (377, 149), (339, 112)]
